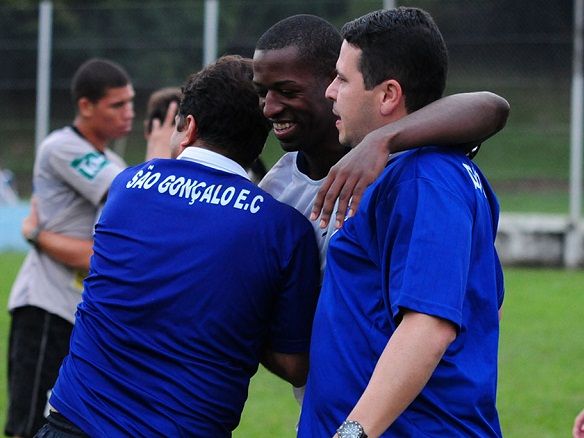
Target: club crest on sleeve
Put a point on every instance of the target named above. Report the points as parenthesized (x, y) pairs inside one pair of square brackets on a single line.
[(90, 164)]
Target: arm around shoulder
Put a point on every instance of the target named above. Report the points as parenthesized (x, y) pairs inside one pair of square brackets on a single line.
[(464, 119), (461, 120)]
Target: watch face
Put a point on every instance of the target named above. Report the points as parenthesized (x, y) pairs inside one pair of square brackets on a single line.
[(350, 429)]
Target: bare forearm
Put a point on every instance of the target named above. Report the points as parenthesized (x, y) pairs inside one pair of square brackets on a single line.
[(459, 119), (404, 368), (72, 252), (69, 251)]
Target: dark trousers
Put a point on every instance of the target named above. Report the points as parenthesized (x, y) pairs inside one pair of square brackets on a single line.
[(38, 343), (59, 427)]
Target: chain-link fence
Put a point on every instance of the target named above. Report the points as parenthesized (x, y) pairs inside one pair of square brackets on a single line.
[(520, 51)]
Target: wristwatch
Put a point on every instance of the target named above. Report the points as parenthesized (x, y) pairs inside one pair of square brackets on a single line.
[(351, 429), (33, 236)]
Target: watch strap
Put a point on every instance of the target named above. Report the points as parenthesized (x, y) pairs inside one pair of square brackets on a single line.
[(33, 236)]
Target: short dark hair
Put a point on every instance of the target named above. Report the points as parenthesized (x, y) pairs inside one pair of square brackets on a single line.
[(95, 76), (404, 44), (225, 106), (158, 103), (317, 40)]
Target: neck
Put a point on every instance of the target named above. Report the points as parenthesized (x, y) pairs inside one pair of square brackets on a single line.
[(316, 164), (217, 149), (90, 135)]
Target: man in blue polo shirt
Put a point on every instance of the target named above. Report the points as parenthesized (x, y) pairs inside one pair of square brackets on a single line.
[(197, 276), (405, 334)]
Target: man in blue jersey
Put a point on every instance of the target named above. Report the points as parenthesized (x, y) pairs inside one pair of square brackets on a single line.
[(294, 62), (197, 277), (406, 330)]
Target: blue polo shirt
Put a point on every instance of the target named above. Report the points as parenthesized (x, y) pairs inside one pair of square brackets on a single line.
[(195, 272), (423, 241)]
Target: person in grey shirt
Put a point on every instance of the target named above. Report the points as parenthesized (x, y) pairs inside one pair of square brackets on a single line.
[(72, 174)]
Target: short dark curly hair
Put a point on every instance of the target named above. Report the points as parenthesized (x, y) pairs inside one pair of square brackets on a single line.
[(318, 41), (225, 105)]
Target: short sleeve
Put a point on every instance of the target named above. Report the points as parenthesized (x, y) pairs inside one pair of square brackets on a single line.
[(296, 303), (87, 171), (425, 236)]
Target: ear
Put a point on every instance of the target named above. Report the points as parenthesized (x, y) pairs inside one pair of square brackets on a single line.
[(190, 132), (85, 107), (392, 97)]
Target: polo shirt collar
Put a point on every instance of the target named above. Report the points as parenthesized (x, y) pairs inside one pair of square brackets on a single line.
[(212, 159)]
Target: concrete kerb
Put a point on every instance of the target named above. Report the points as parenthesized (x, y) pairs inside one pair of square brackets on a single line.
[(540, 240)]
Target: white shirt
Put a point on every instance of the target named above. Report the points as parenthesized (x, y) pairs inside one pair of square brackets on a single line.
[(287, 184)]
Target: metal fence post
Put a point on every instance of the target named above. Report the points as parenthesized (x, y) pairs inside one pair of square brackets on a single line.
[(211, 30), (573, 239), (43, 71)]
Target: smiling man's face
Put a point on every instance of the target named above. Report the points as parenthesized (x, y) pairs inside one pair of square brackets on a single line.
[(292, 98)]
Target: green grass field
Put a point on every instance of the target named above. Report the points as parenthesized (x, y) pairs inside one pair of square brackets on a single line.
[(541, 385)]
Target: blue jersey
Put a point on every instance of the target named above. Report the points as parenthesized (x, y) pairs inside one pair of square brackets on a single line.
[(195, 272), (422, 240)]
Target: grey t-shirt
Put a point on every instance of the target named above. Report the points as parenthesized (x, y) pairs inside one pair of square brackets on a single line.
[(70, 181)]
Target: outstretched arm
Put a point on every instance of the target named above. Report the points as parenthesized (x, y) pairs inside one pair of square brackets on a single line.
[(462, 120)]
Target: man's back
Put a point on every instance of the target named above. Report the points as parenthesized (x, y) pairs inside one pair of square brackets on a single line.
[(195, 272)]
